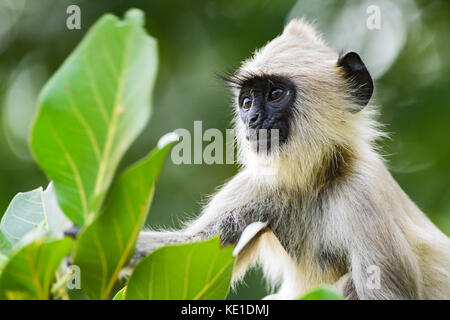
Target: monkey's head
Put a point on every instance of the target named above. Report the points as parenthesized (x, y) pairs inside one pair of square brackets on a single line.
[(310, 94)]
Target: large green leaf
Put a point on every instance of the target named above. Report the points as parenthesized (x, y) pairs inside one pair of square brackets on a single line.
[(322, 293), (29, 215), (30, 271), (3, 260), (5, 245), (92, 109), (25, 214), (194, 271), (104, 246)]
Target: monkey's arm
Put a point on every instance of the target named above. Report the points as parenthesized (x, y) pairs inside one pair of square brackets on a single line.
[(387, 271), (382, 263), (224, 215), (149, 241)]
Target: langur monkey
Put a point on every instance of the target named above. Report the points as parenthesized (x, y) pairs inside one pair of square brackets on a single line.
[(322, 207)]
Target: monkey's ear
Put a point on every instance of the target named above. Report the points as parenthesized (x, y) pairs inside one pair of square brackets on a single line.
[(359, 78)]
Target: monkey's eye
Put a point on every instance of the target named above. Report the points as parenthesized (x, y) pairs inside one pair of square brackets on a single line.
[(246, 103), (275, 94)]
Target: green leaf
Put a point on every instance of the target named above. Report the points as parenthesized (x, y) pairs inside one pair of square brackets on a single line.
[(104, 247), (120, 295), (195, 271), (30, 215), (92, 109), (25, 214), (5, 245), (3, 260), (322, 293), (30, 271)]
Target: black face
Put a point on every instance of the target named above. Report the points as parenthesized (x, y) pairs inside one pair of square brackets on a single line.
[(265, 102)]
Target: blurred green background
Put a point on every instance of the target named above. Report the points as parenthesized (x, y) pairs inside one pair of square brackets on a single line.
[(408, 56)]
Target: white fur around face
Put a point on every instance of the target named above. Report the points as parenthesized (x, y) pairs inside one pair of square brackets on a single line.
[(320, 120)]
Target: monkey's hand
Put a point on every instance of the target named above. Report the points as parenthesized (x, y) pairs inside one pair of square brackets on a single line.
[(249, 233)]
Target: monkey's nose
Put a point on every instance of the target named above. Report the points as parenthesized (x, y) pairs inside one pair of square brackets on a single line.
[(254, 120)]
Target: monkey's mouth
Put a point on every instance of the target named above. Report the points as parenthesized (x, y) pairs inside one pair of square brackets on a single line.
[(262, 140)]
